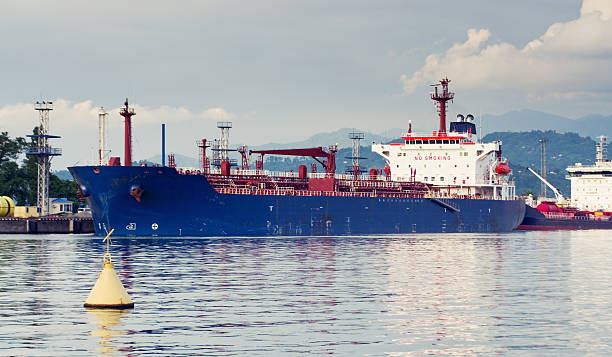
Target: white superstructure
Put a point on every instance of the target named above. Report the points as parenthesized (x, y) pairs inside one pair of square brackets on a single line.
[(454, 162), (591, 185)]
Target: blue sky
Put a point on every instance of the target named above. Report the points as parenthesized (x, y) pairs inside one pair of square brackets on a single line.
[(284, 70)]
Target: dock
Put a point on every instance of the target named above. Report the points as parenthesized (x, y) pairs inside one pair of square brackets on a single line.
[(37, 225)]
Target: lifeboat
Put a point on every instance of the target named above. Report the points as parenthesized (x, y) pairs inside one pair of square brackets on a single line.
[(502, 168)]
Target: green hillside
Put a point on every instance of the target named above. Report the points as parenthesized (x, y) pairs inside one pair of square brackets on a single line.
[(562, 150)]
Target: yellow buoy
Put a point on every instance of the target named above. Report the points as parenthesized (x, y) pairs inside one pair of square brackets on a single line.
[(7, 207), (108, 292)]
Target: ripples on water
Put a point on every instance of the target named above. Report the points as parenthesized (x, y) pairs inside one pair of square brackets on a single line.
[(520, 293)]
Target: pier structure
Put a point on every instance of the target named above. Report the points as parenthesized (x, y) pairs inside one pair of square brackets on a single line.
[(43, 153)]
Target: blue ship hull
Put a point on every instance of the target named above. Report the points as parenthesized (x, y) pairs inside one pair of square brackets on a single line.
[(187, 205)]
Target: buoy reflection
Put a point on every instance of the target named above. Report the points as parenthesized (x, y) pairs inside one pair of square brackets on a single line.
[(107, 327)]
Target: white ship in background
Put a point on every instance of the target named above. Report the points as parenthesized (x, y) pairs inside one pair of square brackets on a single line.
[(591, 185)]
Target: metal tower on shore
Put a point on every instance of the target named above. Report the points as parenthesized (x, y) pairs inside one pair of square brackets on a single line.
[(43, 153), (543, 167)]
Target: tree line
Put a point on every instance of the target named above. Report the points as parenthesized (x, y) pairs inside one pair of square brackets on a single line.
[(19, 178)]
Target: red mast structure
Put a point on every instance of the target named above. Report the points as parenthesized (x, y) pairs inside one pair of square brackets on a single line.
[(442, 98), (204, 162), (127, 113), (245, 161)]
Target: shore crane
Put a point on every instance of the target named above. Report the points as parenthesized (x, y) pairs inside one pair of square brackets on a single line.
[(559, 197)]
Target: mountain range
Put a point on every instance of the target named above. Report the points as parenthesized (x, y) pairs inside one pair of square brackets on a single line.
[(514, 121), (526, 120)]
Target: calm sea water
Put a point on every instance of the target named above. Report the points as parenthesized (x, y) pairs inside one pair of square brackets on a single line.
[(534, 293)]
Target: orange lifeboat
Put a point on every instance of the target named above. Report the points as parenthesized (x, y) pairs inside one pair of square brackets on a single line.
[(502, 168)]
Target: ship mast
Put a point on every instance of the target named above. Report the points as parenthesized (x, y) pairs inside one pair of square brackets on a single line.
[(127, 113), (441, 99)]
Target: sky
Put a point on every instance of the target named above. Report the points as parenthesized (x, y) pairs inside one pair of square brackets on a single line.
[(282, 71)]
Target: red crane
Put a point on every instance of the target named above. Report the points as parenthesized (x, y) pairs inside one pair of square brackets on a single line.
[(329, 163)]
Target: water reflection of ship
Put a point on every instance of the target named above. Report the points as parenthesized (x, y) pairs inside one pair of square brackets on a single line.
[(432, 287), (107, 327)]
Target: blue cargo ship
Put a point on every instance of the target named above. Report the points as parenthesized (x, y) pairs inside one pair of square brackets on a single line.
[(445, 182)]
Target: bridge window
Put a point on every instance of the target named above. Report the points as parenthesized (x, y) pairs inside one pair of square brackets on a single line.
[(438, 141), (445, 141), (433, 178), (441, 178), (419, 141)]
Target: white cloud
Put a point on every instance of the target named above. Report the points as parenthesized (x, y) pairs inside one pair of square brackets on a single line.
[(217, 114), (570, 59), (604, 7)]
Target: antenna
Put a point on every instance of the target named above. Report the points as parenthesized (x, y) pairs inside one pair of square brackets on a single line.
[(480, 125)]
